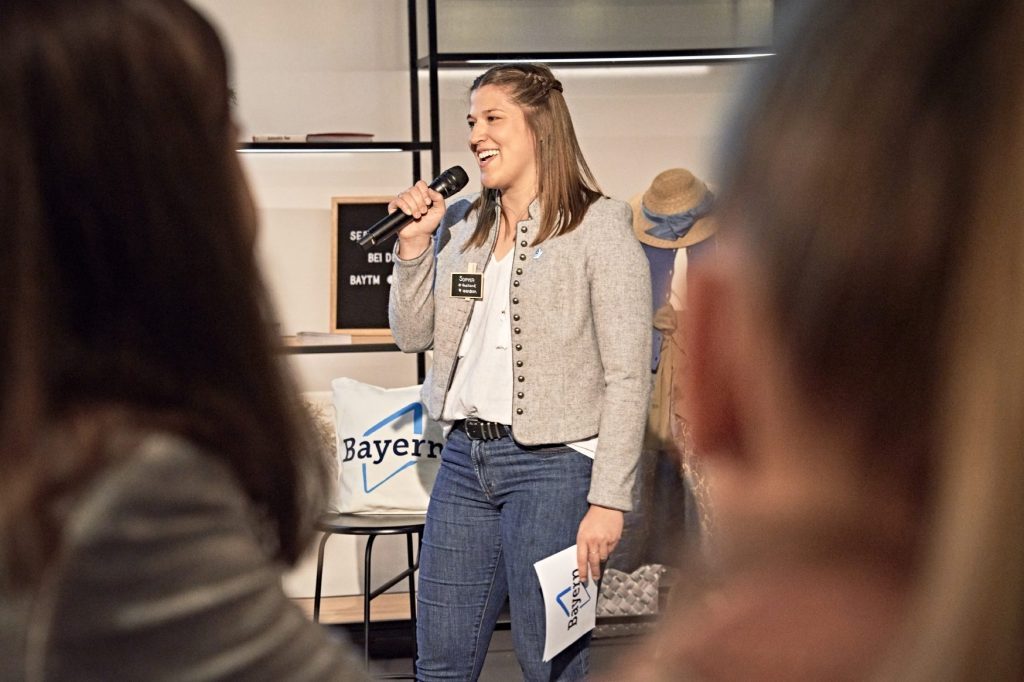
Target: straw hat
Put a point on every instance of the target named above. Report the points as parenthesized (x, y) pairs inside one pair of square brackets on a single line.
[(677, 211)]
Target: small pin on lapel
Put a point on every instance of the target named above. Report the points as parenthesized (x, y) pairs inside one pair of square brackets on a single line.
[(538, 253)]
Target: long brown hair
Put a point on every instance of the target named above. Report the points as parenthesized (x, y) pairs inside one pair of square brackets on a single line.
[(567, 187), (130, 291), (876, 173)]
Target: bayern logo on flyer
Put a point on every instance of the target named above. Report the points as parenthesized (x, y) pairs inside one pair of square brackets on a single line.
[(571, 599)]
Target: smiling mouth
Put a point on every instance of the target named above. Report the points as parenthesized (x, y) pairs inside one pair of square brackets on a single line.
[(486, 155)]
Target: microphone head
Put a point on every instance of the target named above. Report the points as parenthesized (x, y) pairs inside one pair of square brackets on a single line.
[(451, 181)]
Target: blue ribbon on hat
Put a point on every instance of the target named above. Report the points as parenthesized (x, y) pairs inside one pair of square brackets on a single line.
[(676, 225)]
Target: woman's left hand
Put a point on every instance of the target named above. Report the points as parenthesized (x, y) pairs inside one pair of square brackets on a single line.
[(599, 532)]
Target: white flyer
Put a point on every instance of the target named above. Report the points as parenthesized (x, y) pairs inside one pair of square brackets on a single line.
[(569, 604)]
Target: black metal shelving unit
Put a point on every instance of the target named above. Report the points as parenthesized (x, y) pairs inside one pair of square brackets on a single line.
[(611, 58), (293, 147)]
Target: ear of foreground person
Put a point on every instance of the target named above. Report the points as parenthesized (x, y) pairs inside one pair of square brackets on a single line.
[(855, 372)]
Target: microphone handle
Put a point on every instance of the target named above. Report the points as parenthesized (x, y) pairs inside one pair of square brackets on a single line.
[(447, 184), (389, 225), (393, 223)]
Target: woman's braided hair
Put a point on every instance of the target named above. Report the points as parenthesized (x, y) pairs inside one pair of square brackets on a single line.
[(540, 80)]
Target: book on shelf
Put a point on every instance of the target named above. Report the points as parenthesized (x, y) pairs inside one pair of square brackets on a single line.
[(315, 137), (278, 138)]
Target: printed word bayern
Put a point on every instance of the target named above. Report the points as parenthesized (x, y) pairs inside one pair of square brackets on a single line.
[(376, 450)]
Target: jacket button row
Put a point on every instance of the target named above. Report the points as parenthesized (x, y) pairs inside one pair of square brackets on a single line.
[(516, 317), (523, 229), (517, 330), (515, 301), (515, 283), (520, 395), (519, 410), (519, 363), (522, 256), (521, 378), (519, 346), (519, 271), (523, 243)]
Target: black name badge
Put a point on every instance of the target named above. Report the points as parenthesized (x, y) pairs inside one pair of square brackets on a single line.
[(468, 285)]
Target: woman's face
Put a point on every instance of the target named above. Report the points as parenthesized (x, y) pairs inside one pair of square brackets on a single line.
[(502, 142)]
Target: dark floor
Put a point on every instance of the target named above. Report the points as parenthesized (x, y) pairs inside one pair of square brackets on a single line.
[(391, 652)]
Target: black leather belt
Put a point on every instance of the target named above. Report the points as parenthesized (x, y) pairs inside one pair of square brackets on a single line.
[(478, 429)]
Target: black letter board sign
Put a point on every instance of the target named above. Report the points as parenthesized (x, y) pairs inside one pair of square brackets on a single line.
[(360, 279)]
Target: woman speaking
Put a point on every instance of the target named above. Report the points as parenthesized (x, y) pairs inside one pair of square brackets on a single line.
[(535, 298)]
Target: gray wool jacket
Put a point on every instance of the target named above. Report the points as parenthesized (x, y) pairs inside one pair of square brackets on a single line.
[(581, 332), (163, 574)]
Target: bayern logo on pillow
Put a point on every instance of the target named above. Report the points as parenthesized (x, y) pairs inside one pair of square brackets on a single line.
[(389, 450)]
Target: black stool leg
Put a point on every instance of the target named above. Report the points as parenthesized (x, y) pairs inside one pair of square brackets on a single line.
[(367, 597), (319, 577), (412, 595)]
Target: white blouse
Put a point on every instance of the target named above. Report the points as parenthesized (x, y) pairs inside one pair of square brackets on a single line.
[(482, 385)]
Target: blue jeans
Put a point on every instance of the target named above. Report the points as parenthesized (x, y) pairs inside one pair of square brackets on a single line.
[(495, 509)]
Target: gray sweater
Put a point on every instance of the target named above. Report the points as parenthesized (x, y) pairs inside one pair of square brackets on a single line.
[(162, 576), (581, 333)]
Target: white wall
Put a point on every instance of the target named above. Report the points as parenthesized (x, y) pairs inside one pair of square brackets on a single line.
[(311, 65), (632, 122)]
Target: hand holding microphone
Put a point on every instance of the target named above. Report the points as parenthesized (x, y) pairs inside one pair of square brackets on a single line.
[(416, 212)]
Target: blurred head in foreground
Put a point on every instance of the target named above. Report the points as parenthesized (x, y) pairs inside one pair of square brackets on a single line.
[(856, 354), (129, 291)]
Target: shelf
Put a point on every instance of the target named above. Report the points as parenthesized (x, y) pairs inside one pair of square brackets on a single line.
[(331, 147), (371, 344), (342, 348), (602, 58)]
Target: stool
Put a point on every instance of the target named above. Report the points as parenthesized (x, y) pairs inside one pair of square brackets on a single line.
[(373, 525)]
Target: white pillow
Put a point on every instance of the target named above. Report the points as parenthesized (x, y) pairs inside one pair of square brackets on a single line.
[(389, 450)]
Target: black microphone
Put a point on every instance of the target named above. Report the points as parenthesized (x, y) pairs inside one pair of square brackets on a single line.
[(447, 184)]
